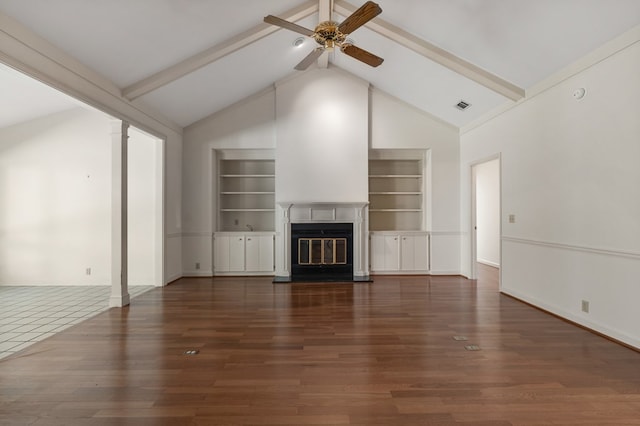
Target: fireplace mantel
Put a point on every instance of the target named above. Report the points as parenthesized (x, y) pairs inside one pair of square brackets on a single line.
[(356, 213)]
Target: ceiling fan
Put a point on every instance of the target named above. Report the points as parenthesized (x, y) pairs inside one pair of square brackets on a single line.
[(329, 34)]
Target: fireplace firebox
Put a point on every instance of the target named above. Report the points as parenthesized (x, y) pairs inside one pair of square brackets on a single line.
[(321, 251)]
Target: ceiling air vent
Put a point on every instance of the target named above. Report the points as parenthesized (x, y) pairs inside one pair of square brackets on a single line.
[(462, 105)]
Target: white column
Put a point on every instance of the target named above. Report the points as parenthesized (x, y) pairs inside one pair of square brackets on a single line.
[(119, 287), (283, 241), (360, 241)]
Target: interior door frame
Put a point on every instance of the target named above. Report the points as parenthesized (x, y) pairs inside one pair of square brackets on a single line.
[(473, 231)]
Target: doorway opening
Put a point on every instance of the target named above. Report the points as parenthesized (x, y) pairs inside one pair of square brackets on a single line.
[(486, 216)]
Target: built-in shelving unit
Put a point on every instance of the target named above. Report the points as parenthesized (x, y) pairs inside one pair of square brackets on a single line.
[(396, 191), (399, 241), (246, 189)]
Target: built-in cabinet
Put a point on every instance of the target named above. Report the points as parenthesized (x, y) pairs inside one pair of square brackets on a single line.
[(244, 253), (245, 213), (399, 242), (394, 252)]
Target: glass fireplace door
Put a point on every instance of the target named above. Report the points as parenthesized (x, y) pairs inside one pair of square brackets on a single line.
[(322, 251)]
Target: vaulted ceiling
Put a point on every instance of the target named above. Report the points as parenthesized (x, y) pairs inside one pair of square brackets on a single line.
[(188, 59)]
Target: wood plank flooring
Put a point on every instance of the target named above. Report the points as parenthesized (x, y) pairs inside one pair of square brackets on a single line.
[(380, 353)]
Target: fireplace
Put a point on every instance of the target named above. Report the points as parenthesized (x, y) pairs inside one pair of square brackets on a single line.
[(322, 242), (321, 251)]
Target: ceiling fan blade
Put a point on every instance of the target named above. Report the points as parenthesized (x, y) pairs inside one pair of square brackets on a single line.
[(364, 14), (274, 20), (362, 55), (309, 59)]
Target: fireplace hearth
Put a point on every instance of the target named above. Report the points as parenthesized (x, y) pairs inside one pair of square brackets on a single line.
[(321, 251)]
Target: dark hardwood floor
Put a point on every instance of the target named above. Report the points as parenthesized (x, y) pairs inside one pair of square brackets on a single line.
[(380, 353)]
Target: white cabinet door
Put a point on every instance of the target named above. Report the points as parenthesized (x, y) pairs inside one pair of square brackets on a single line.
[(377, 252), (236, 253), (391, 252), (259, 253), (267, 251), (414, 253), (221, 253), (385, 251)]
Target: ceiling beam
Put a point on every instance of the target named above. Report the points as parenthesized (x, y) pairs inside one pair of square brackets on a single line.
[(437, 54), (324, 14), (214, 53)]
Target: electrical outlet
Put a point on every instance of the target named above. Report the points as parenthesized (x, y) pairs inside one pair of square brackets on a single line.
[(88, 271), (512, 218), (197, 265), (585, 306), (235, 221)]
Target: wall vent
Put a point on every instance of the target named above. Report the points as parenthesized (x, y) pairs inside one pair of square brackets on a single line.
[(462, 105)]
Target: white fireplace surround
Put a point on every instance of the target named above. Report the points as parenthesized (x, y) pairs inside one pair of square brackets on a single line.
[(356, 213)]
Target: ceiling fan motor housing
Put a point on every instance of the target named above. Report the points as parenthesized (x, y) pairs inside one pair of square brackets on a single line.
[(327, 35)]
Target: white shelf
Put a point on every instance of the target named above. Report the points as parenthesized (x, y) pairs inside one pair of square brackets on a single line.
[(247, 176), (395, 210), (396, 176), (246, 194), (395, 194), (247, 210)]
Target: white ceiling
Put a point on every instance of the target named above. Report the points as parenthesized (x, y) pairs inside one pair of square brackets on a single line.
[(127, 41)]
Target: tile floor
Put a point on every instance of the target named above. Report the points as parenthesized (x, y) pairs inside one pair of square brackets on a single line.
[(31, 314)]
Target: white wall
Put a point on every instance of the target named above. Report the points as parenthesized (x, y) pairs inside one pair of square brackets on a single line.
[(487, 180), (27, 52), (143, 193), (397, 125), (249, 124), (322, 138), (55, 185), (570, 176), (252, 124)]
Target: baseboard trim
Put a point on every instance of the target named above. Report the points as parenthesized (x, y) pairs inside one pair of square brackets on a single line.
[(489, 263), (197, 274), (572, 322), (445, 273)]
